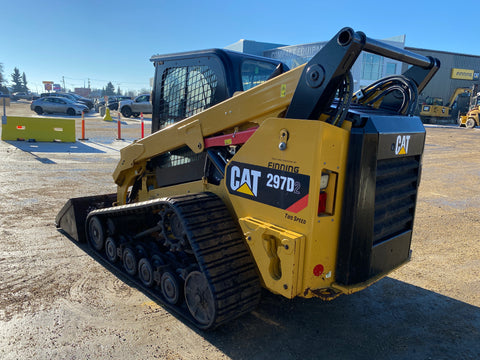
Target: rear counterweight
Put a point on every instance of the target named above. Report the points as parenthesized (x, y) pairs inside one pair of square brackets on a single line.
[(383, 175)]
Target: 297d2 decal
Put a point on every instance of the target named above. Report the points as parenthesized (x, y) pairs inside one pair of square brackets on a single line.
[(281, 189)]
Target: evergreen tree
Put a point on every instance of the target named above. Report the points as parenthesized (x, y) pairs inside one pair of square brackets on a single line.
[(17, 81), (3, 88), (118, 91), (110, 89), (24, 83), (1, 75)]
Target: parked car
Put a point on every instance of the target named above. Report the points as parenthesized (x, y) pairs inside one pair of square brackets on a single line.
[(71, 96), (114, 100), (21, 95), (83, 100), (98, 102), (56, 104), (141, 104)]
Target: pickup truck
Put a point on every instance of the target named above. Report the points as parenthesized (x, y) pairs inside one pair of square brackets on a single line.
[(141, 104)]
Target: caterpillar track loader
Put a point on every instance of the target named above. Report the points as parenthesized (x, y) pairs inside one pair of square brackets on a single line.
[(259, 176)]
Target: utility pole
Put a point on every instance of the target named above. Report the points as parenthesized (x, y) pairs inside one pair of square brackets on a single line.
[(63, 79)]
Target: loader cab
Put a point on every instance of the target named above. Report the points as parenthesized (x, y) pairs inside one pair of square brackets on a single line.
[(188, 83)]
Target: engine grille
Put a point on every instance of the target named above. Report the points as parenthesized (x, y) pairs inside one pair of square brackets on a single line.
[(395, 196)]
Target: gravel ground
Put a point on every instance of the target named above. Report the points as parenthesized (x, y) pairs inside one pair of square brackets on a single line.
[(56, 302)]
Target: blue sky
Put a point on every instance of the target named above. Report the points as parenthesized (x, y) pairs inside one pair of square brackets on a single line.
[(113, 40)]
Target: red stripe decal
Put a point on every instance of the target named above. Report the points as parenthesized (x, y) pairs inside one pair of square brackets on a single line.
[(299, 205), (240, 137)]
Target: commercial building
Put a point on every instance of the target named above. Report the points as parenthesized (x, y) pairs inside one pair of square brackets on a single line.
[(457, 70)]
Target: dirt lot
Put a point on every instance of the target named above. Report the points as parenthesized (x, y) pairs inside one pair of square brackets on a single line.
[(56, 302)]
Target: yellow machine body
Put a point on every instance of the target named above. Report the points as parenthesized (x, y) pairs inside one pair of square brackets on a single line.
[(435, 111), (285, 180), (294, 248), (290, 248)]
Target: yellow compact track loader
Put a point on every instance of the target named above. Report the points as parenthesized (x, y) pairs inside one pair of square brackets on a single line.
[(259, 176)]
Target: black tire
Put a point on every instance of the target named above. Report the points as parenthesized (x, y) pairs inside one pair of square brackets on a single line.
[(71, 112), (38, 110), (470, 124), (96, 234), (126, 111)]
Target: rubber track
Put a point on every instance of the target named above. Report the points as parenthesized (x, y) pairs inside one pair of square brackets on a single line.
[(219, 248)]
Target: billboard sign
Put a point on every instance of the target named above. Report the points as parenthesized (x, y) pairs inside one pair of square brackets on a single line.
[(48, 85)]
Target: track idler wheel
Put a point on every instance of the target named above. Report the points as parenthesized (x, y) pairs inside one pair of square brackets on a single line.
[(199, 298), (96, 233)]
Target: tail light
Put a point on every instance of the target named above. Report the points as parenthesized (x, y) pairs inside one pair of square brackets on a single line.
[(326, 198), (322, 199), (322, 203)]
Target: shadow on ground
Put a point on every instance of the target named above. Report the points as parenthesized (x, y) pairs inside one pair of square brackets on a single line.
[(55, 147), (389, 320)]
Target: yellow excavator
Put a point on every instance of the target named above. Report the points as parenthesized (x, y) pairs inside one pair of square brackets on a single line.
[(433, 109), (260, 176)]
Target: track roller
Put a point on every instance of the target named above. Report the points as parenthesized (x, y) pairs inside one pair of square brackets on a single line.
[(130, 261), (111, 249), (171, 287), (145, 272)]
